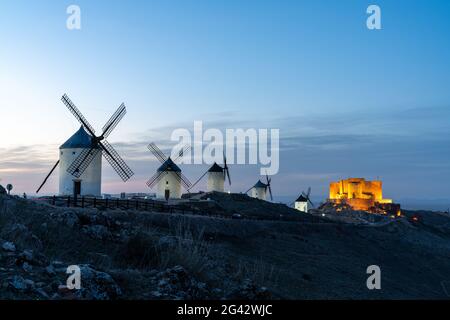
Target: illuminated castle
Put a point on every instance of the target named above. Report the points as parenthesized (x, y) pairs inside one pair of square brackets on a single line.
[(358, 193)]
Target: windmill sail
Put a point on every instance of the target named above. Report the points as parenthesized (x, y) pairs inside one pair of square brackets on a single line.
[(48, 176), (84, 159), (168, 165), (97, 144), (226, 170), (78, 115), (269, 180)]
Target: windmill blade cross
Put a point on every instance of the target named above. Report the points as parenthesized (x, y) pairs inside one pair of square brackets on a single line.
[(195, 183), (84, 159), (116, 161), (182, 152), (78, 115), (114, 121), (48, 176), (267, 179), (157, 152), (155, 179), (184, 180), (248, 190), (228, 176), (226, 171), (270, 192)]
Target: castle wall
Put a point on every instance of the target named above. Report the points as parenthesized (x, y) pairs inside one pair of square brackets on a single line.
[(358, 193)]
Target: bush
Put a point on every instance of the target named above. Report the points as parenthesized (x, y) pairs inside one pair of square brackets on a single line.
[(140, 251)]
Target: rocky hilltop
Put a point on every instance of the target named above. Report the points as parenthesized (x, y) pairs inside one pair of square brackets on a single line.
[(153, 255)]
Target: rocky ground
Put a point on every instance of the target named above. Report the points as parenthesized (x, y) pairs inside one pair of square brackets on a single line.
[(152, 255)]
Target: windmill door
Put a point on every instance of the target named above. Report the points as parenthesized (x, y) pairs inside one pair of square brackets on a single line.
[(77, 188), (167, 194)]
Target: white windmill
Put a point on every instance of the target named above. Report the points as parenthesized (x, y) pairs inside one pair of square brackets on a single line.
[(91, 177), (168, 176), (216, 177), (301, 204), (259, 190), (80, 157)]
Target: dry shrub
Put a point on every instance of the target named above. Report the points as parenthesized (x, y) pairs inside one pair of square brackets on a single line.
[(140, 251), (183, 247), (190, 250), (258, 271)]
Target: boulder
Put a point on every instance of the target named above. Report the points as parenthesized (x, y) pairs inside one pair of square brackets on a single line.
[(98, 232), (23, 235), (249, 291), (9, 246), (97, 285), (176, 283), (18, 283), (36, 259), (68, 218), (50, 270)]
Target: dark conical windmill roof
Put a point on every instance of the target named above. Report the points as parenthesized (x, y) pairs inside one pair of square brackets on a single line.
[(215, 168), (169, 165), (81, 139), (259, 184), (302, 198)]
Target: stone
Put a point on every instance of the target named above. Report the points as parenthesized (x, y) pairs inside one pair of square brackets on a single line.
[(31, 258), (27, 255), (27, 267), (50, 270), (9, 246), (58, 264), (176, 283), (55, 296), (98, 232), (97, 285), (249, 291), (41, 292), (20, 284)]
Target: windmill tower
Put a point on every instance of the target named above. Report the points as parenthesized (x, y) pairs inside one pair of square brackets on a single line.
[(168, 178), (216, 177), (301, 204), (80, 157), (259, 190), (89, 183)]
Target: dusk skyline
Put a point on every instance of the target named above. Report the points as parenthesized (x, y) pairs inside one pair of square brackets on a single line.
[(349, 102)]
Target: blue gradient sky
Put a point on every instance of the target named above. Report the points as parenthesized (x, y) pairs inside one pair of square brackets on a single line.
[(349, 101)]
